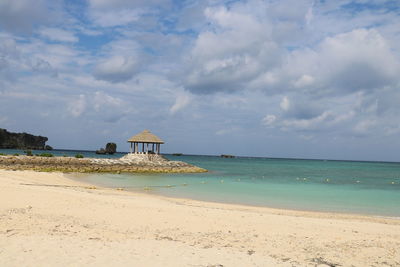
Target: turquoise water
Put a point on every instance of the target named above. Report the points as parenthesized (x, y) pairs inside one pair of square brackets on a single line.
[(371, 188)]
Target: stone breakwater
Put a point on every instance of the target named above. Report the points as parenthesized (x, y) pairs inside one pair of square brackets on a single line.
[(131, 163)]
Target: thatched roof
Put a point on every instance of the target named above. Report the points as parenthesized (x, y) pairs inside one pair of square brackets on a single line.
[(146, 137)]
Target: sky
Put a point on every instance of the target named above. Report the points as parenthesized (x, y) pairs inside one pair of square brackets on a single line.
[(270, 78)]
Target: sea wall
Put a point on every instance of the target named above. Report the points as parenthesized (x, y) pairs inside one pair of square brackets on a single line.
[(127, 164)]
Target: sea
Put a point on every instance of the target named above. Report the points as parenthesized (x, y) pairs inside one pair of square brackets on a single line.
[(356, 187)]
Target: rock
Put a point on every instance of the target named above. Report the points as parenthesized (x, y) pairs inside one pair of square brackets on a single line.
[(101, 151), (47, 147), (227, 156), (132, 163), (21, 140), (111, 148)]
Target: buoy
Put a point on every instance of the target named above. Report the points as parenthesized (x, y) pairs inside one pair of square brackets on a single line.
[(392, 182), (222, 181), (304, 179), (358, 181), (327, 180)]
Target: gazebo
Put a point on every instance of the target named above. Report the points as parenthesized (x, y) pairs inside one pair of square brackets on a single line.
[(147, 139)]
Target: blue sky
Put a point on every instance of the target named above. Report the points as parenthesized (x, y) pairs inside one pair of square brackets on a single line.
[(291, 78)]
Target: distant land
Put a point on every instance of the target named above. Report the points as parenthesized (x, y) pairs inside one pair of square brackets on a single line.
[(11, 140)]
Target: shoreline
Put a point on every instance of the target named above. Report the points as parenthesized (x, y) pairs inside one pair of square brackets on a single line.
[(164, 191), (276, 210), (228, 205), (67, 222)]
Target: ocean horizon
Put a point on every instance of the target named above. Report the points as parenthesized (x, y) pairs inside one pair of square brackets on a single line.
[(92, 154), (344, 186)]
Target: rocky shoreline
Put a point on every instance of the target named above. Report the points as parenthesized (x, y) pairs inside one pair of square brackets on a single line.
[(130, 163), (9, 140)]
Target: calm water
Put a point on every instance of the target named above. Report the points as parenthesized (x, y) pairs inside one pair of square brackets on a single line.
[(335, 186)]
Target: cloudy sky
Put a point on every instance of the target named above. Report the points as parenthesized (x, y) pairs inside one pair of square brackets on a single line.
[(275, 78)]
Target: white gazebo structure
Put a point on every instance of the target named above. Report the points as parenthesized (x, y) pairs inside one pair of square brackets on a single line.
[(147, 141)]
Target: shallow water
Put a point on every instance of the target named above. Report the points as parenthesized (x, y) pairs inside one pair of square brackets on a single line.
[(336, 186), (371, 188)]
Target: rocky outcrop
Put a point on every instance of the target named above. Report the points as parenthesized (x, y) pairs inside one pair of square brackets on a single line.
[(21, 140), (101, 151), (144, 163), (111, 148)]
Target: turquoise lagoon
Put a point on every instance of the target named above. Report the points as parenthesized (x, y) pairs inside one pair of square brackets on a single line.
[(371, 188)]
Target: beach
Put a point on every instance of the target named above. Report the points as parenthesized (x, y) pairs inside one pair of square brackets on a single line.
[(48, 219)]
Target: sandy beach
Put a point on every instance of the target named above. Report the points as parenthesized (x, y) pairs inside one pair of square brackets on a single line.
[(47, 219)]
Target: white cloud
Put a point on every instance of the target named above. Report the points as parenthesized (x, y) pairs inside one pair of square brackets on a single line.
[(307, 124), (309, 15), (77, 107), (181, 101), (348, 62), (363, 127), (225, 132), (107, 13), (285, 103), (111, 109), (304, 80), (116, 69), (233, 51), (269, 120), (107, 4), (41, 66), (56, 34), (115, 17), (22, 15)]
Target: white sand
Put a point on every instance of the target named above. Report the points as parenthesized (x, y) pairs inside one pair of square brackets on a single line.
[(73, 225)]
